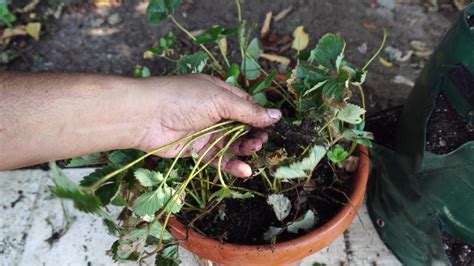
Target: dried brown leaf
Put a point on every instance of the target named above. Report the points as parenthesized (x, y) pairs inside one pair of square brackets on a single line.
[(301, 39), (276, 58), (266, 25), (282, 14)]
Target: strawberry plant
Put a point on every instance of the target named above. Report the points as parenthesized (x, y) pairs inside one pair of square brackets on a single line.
[(314, 97)]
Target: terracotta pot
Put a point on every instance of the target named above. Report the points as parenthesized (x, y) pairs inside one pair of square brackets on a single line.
[(283, 253)]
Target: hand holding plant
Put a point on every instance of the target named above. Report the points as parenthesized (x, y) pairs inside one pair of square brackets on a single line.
[(182, 105)]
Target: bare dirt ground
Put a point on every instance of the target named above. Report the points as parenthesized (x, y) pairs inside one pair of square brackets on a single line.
[(113, 40)]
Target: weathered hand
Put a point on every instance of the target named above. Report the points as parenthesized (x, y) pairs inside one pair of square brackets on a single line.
[(186, 104)]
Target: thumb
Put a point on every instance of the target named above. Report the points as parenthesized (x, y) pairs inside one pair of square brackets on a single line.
[(243, 110)]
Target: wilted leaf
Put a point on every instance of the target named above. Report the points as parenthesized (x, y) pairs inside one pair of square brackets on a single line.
[(281, 205), (303, 168), (350, 164), (328, 49), (159, 10), (276, 58), (301, 39), (193, 63), (304, 223), (351, 114)]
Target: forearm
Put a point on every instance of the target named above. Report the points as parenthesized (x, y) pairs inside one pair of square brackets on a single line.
[(56, 116)]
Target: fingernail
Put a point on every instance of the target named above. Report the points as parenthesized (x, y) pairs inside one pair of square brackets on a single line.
[(274, 113)]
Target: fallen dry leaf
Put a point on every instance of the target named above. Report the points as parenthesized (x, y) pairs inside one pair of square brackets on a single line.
[(282, 14), (385, 63), (421, 49), (107, 3), (350, 164), (276, 157), (34, 29), (266, 25), (29, 7), (9, 33), (148, 55), (301, 39), (223, 45), (461, 4), (276, 58), (370, 25)]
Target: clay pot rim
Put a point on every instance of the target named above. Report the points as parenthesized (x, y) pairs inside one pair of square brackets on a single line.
[(360, 182)]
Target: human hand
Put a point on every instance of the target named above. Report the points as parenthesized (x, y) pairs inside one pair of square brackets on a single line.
[(182, 105)]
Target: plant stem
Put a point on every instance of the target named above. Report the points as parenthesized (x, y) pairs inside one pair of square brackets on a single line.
[(239, 11), (236, 135), (167, 146), (177, 195), (378, 51), (191, 36), (282, 92), (362, 99), (326, 125), (224, 56)]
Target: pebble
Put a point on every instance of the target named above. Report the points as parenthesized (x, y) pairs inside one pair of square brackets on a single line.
[(114, 19)]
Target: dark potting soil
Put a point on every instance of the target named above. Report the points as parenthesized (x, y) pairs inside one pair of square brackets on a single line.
[(246, 221), (446, 129), (446, 132), (459, 253), (384, 126)]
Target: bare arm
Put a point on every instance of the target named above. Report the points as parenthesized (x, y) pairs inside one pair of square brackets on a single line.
[(56, 116)]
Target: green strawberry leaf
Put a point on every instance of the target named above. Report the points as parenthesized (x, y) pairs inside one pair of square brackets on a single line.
[(83, 199), (337, 154), (329, 48), (193, 63), (281, 205), (303, 168), (304, 223), (148, 178), (159, 10), (351, 114)]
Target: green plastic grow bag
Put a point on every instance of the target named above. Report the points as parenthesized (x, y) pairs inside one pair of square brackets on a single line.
[(414, 195)]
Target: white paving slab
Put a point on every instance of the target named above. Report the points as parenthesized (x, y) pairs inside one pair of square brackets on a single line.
[(364, 244), (18, 190), (27, 220)]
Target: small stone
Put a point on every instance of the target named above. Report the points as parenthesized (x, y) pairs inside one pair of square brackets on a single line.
[(362, 48), (442, 143), (97, 22), (114, 19)]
